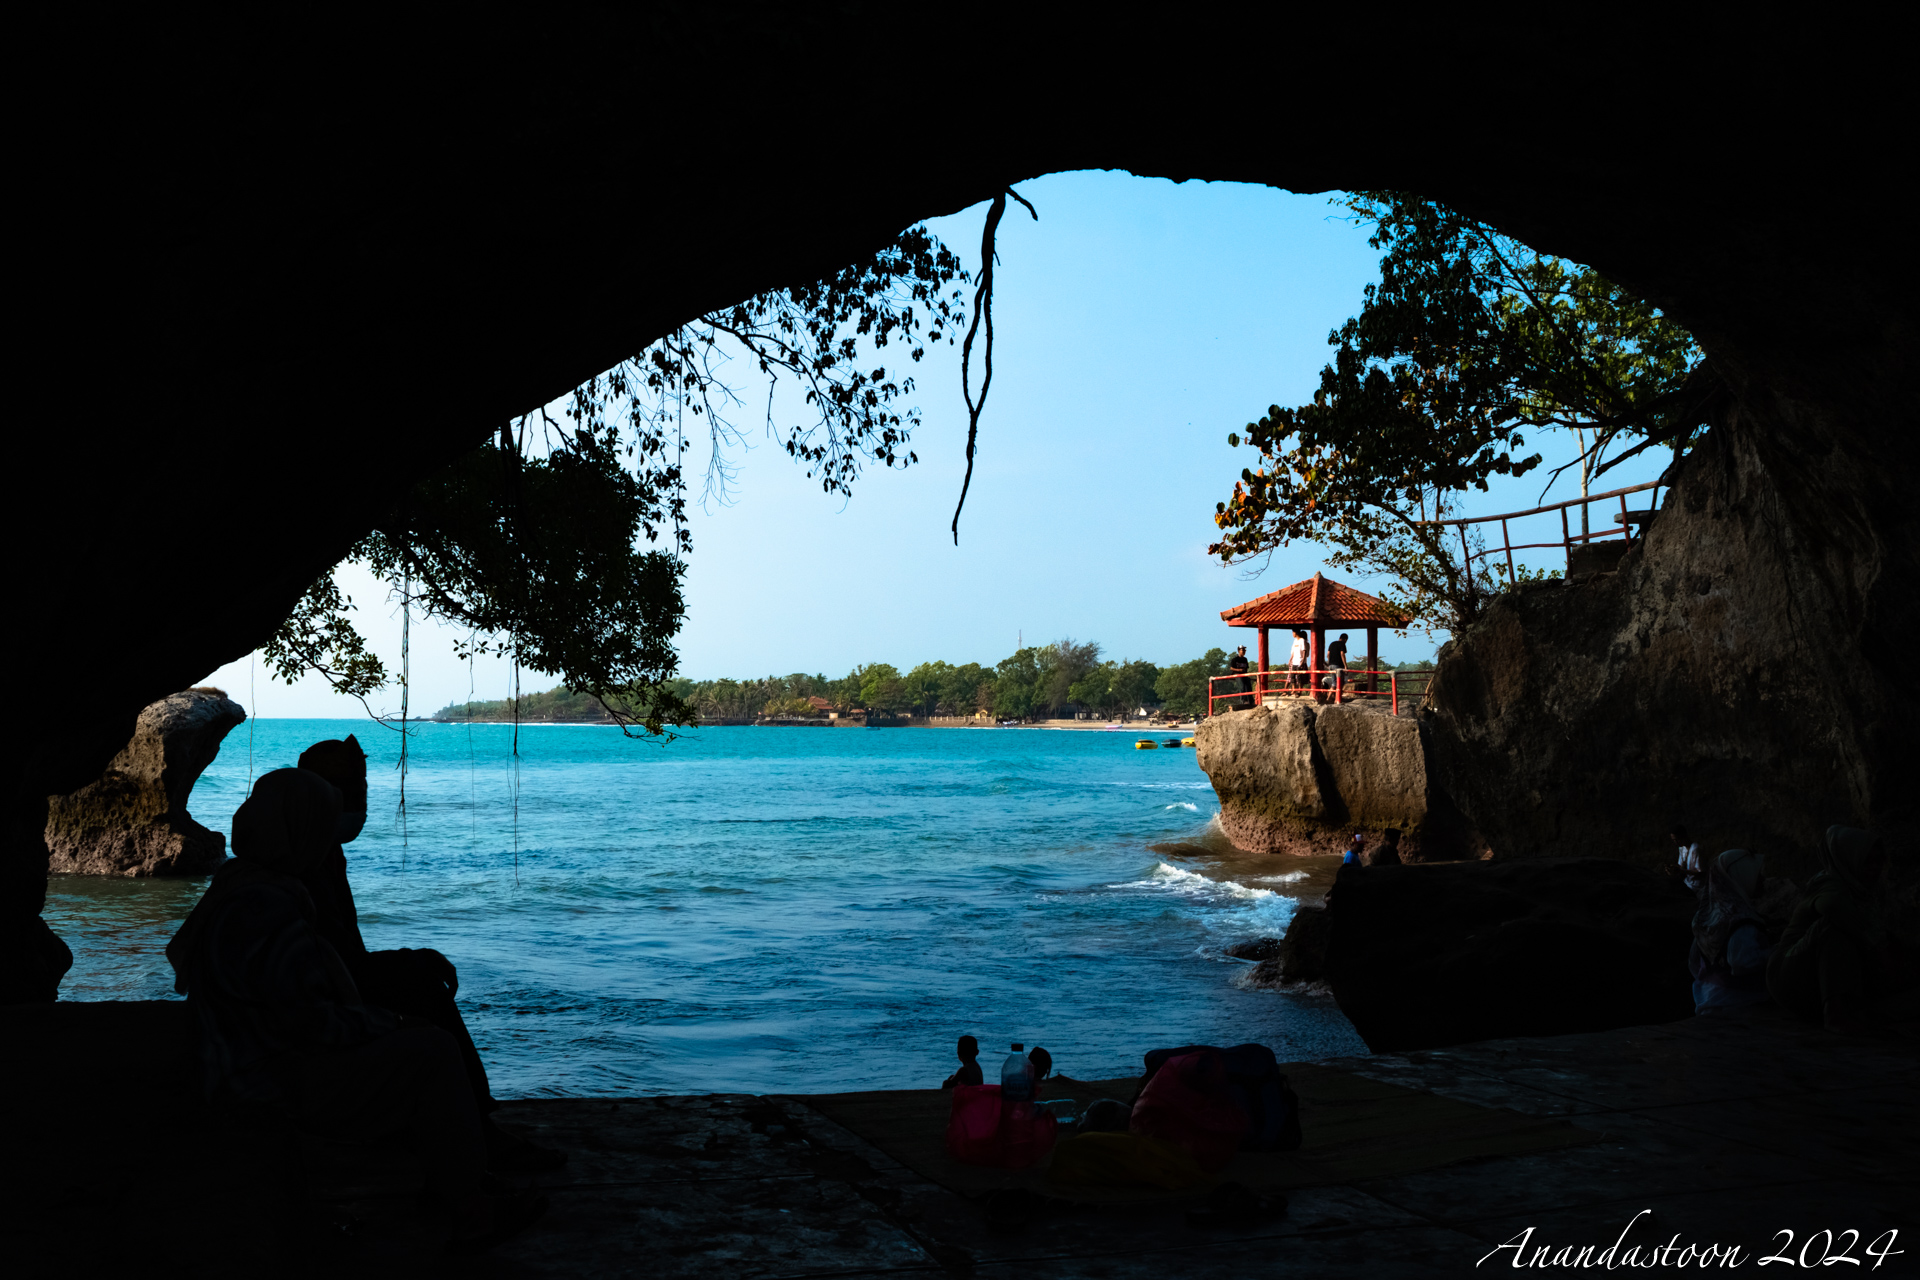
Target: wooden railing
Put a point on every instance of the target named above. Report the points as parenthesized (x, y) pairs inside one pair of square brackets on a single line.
[(1322, 684), (1625, 519)]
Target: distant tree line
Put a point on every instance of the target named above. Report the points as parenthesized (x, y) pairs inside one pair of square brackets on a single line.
[(1057, 680)]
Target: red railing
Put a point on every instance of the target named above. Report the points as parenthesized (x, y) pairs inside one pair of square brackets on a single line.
[(1322, 684), (1625, 519)]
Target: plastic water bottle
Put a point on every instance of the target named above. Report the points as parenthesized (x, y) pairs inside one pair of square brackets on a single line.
[(1016, 1076), (1016, 1110)]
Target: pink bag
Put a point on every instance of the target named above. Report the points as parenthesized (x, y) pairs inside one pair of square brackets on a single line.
[(1191, 1103), (983, 1129), (973, 1124)]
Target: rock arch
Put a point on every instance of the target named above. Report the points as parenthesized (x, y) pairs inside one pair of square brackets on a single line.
[(242, 255)]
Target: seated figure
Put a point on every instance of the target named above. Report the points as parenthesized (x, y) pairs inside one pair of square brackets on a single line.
[(1733, 934), (969, 1072), (1835, 957), (421, 982), (281, 1024)]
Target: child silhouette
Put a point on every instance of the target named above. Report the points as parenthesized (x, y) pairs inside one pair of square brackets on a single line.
[(969, 1072)]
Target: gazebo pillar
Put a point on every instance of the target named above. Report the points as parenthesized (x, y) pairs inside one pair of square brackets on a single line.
[(1373, 655), (1316, 655), (1260, 686)]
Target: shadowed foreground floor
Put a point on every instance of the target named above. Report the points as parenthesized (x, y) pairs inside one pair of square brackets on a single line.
[(1728, 1130)]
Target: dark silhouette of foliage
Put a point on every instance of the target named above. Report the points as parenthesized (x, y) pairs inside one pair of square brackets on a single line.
[(532, 544)]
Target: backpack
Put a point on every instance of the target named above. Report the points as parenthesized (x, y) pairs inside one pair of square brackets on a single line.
[(1272, 1108), (1191, 1103)]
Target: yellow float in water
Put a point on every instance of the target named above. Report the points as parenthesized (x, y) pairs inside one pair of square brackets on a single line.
[(1146, 744), (1186, 742)]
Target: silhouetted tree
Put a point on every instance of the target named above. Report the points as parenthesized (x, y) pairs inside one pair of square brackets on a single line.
[(533, 542)]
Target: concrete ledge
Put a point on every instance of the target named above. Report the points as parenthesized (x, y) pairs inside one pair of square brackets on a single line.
[(1726, 1130)]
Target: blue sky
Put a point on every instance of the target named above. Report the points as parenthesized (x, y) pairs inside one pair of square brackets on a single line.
[(1136, 324)]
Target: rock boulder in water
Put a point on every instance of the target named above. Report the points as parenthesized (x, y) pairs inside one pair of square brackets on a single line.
[(1424, 956), (1296, 777), (1303, 953), (1265, 767), (1299, 957), (134, 820)]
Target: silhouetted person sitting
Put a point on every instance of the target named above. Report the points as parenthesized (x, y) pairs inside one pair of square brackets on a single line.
[(1388, 854), (1042, 1064), (282, 1026), (419, 982), (1833, 960), (969, 1072)]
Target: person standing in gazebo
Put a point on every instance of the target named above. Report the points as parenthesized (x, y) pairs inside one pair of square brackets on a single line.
[(1297, 662), (1336, 662), (1237, 666)]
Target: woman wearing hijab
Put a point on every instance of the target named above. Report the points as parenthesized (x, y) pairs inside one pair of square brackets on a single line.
[(419, 982), (281, 1023), (1731, 939), (1834, 952)]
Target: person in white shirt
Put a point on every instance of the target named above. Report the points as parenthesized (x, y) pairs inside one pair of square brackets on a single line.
[(1688, 866), (1297, 660)]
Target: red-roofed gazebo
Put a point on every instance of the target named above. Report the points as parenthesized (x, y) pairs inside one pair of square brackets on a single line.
[(1314, 606)]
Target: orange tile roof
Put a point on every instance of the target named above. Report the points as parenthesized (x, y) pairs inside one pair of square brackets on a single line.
[(1317, 602)]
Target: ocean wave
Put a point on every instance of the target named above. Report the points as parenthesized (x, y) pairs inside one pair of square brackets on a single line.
[(1188, 805), (1244, 980), (1291, 877), (1192, 884)]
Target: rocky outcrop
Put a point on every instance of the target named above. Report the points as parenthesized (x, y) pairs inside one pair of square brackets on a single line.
[(1423, 956), (1296, 960), (1742, 672), (1266, 768), (134, 820), (1297, 777)]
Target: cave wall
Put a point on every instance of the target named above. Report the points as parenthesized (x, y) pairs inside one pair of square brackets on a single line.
[(1740, 672), (319, 264)]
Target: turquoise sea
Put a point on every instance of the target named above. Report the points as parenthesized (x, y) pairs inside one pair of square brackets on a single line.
[(749, 909)]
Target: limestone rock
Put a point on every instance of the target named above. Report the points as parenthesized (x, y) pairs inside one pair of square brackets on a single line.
[(1298, 777), (1303, 956), (1265, 768), (1298, 959), (1424, 956), (133, 821), (1740, 672), (1378, 764)]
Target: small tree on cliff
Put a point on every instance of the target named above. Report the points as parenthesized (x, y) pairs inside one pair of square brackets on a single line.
[(1469, 343)]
